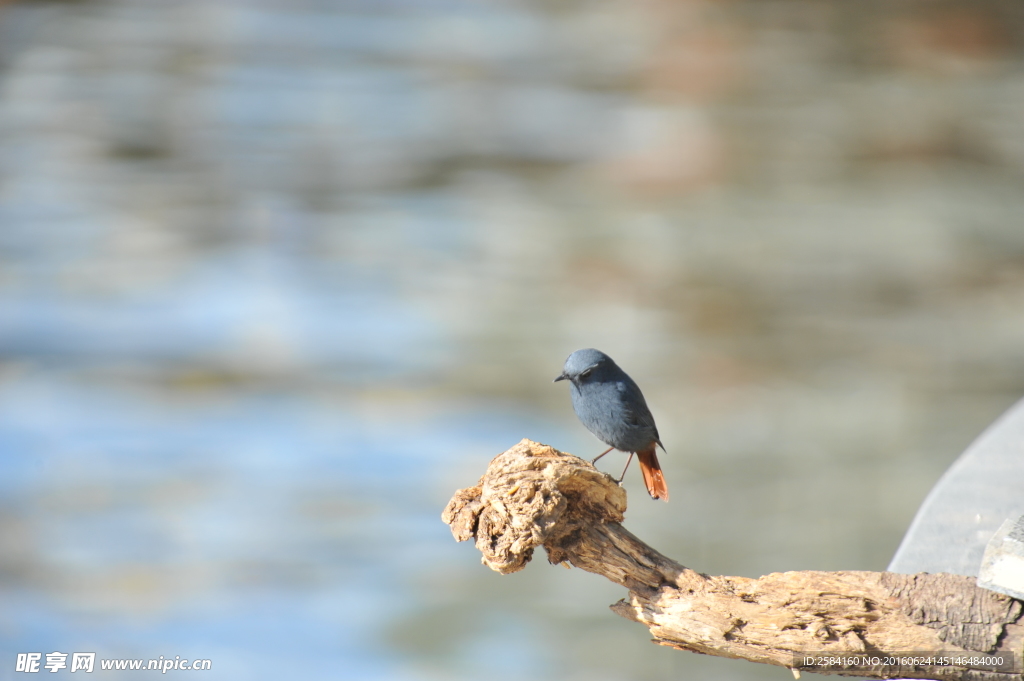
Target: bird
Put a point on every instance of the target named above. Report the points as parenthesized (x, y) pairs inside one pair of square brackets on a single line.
[(609, 403)]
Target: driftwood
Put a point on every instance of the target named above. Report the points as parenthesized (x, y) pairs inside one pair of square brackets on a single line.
[(866, 624)]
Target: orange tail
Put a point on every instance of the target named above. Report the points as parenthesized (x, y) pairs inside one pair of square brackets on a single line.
[(653, 477)]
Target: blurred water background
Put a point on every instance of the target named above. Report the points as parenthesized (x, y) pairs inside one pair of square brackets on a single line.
[(276, 278)]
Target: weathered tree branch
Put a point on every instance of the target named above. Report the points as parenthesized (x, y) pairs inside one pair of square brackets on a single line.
[(533, 495)]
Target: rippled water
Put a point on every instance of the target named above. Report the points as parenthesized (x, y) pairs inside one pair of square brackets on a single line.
[(277, 278)]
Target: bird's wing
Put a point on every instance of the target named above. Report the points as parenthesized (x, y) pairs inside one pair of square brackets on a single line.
[(635, 409)]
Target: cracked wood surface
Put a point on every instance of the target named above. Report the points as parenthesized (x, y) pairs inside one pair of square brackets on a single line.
[(534, 495)]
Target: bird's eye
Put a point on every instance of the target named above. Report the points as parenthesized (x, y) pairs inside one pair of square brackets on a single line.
[(586, 372)]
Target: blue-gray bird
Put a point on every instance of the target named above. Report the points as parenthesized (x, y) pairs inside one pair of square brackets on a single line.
[(611, 406)]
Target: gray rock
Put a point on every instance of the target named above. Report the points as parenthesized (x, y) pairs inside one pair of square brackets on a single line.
[(1002, 568), (982, 488)]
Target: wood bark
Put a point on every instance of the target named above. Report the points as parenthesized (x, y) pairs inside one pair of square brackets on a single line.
[(533, 495)]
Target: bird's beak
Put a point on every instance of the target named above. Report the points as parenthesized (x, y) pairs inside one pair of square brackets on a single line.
[(561, 377)]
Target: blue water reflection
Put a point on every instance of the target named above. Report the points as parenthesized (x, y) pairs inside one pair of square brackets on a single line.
[(272, 533)]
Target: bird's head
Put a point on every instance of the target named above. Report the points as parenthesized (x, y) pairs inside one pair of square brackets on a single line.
[(583, 364)]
